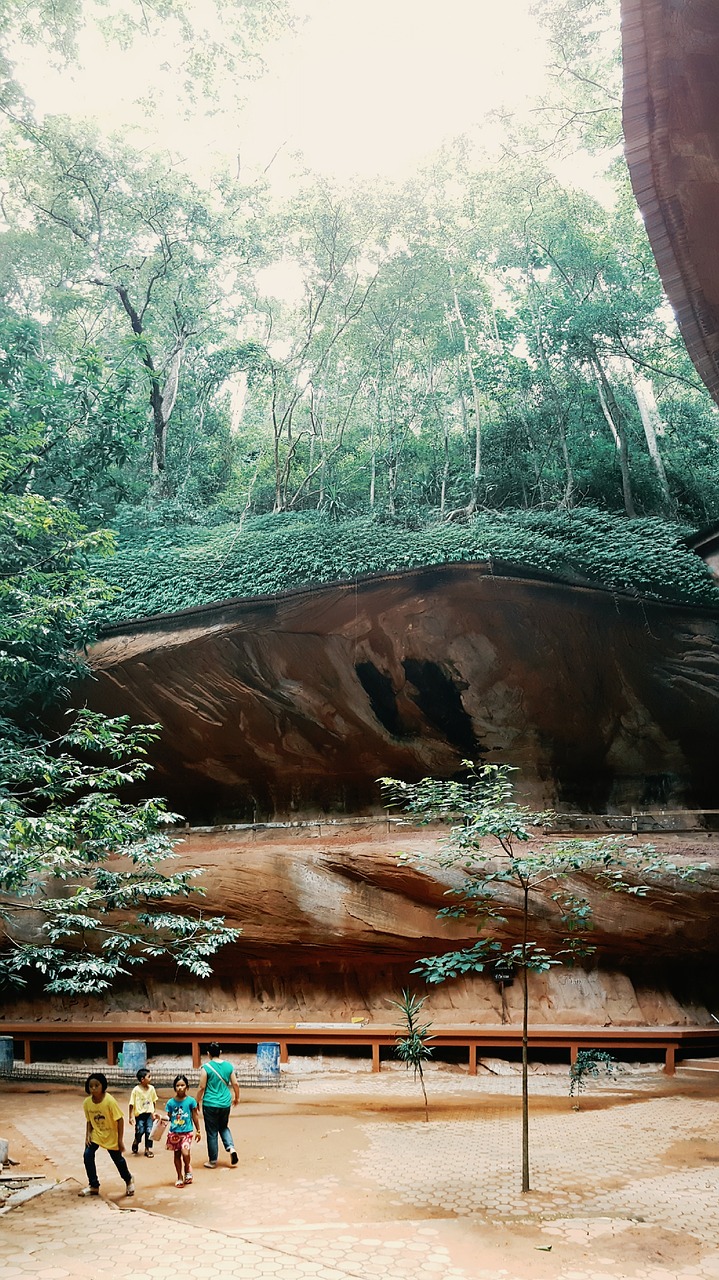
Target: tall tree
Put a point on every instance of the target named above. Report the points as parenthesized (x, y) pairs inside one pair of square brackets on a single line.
[(85, 892), (132, 250), (490, 850)]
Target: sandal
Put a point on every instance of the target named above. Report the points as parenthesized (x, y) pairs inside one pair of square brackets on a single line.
[(210, 1164), (180, 1182), (149, 1155), (188, 1178)]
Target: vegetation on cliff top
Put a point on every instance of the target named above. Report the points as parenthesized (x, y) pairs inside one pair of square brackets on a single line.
[(157, 571)]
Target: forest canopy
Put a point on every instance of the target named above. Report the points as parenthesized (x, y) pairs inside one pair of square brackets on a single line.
[(198, 359)]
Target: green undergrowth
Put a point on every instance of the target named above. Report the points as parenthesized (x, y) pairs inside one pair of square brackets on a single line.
[(160, 570)]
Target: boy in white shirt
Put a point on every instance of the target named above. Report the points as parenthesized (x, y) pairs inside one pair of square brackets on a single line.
[(143, 1104)]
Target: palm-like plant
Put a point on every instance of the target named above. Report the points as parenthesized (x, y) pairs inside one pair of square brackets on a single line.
[(411, 1045)]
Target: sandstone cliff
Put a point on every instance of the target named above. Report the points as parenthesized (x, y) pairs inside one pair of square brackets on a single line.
[(332, 924), (297, 703)]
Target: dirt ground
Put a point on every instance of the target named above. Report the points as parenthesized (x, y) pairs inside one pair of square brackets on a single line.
[(342, 1177)]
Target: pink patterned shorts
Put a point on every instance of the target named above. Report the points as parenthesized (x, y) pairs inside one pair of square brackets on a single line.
[(180, 1141)]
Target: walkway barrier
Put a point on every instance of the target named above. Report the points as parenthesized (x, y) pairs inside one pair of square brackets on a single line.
[(194, 1037), (162, 1077)]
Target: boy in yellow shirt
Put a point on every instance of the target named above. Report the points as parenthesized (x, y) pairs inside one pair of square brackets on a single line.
[(104, 1127), (143, 1103)]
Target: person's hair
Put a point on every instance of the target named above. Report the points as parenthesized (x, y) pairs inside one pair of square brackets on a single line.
[(101, 1079), (214, 1049), (177, 1080), (141, 1073)]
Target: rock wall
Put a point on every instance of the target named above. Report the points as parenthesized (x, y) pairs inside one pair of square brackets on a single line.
[(332, 925), (671, 128), (298, 704)]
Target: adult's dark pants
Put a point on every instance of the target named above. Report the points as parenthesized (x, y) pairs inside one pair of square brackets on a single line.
[(217, 1122), (117, 1158)]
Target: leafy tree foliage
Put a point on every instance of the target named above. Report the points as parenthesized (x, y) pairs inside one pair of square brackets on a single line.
[(85, 892), (412, 1046), (160, 568), (496, 850)]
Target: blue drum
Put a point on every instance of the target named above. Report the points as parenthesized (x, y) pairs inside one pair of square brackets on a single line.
[(7, 1056), (268, 1058), (134, 1055)]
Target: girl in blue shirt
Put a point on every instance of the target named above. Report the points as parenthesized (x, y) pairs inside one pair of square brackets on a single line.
[(183, 1114)]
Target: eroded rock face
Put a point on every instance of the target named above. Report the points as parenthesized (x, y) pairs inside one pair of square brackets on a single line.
[(332, 924), (671, 127), (298, 704)]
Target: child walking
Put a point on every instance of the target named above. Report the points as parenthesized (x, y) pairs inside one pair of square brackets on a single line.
[(183, 1114), (104, 1127), (143, 1101)]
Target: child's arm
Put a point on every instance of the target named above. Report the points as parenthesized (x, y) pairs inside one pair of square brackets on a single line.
[(120, 1135), (196, 1122), (88, 1133), (130, 1114)]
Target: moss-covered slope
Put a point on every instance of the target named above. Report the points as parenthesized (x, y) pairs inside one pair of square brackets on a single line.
[(160, 571)]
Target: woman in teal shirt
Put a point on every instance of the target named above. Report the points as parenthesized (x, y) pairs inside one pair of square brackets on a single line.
[(218, 1091)]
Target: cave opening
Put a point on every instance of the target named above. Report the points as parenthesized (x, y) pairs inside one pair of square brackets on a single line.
[(440, 702), (383, 700)]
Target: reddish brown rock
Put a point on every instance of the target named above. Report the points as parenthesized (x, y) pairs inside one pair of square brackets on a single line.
[(297, 704), (671, 127), (332, 924)]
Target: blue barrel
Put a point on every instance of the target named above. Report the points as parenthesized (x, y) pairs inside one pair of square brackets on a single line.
[(268, 1057), (134, 1055), (7, 1056)]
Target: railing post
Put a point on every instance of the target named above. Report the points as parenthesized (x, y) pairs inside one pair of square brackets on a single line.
[(375, 1055), (473, 1059)]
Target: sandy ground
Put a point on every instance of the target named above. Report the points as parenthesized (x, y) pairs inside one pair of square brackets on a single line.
[(342, 1177)]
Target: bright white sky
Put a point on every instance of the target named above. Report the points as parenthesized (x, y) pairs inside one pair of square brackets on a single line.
[(365, 87)]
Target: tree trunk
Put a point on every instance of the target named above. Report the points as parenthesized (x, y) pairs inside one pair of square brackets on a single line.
[(568, 499), (476, 399), (615, 422), (445, 466), (392, 485), (162, 403), (651, 422), (525, 1047)]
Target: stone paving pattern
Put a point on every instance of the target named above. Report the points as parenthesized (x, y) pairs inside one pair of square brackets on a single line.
[(629, 1192)]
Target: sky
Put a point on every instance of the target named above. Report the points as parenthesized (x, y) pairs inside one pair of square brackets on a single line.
[(365, 87)]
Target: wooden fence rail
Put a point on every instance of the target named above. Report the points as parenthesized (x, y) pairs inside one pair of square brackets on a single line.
[(672, 1041)]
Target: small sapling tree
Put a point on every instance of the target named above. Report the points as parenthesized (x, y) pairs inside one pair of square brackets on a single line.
[(589, 1064), (412, 1045), (497, 848)]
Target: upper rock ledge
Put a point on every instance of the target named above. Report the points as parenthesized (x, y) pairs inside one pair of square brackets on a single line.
[(298, 703)]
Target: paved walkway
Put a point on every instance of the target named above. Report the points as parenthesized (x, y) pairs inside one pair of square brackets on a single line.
[(332, 1187)]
